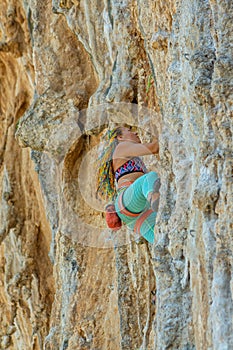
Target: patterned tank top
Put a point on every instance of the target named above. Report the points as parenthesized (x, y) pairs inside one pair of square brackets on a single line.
[(133, 165)]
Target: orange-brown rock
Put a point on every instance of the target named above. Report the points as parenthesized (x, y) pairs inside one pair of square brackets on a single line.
[(67, 70)]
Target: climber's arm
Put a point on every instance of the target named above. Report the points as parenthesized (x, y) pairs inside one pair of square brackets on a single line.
[(130, 149)]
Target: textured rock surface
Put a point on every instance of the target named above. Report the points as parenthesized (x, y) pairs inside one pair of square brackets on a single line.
[(59, 291)]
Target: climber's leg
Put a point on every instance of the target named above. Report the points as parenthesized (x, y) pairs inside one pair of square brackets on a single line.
[(136, 200), (138, 196), (145, 225)]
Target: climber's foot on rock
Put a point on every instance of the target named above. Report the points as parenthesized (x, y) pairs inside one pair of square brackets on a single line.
[(157, 185), (154, 200)]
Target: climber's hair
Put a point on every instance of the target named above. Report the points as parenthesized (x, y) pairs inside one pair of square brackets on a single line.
[(106, 180)]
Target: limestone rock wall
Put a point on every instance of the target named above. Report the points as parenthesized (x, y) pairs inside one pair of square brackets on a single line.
[(66, 283)]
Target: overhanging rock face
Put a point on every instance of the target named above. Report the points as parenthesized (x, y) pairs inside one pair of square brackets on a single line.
[(69, 69)]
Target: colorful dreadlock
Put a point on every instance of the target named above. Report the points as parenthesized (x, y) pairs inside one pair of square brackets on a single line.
[(105, 182)]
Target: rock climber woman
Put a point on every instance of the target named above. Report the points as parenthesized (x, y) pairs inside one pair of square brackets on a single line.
[(123, 177)]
